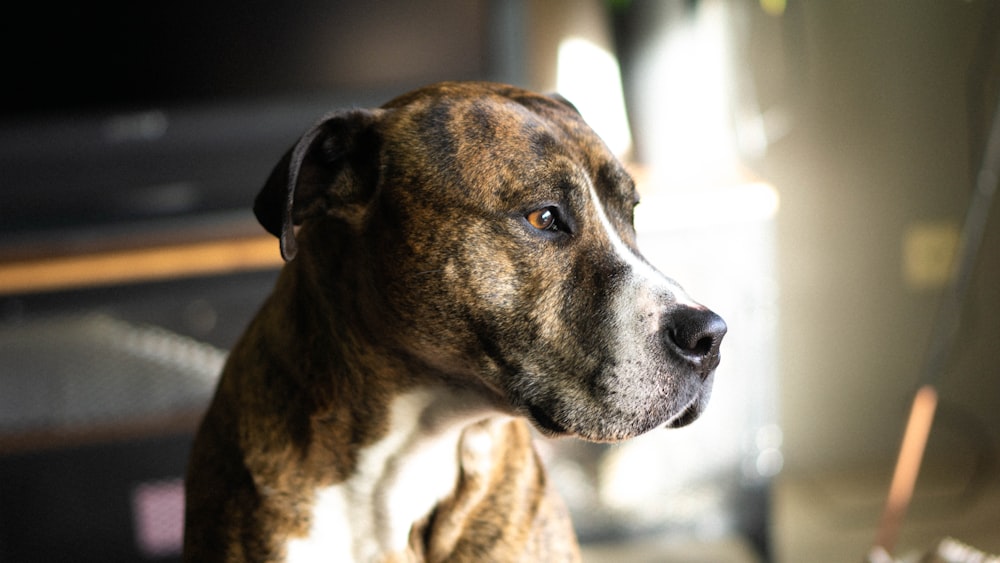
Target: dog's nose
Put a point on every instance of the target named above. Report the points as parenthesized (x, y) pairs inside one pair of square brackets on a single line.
[(696, 334)]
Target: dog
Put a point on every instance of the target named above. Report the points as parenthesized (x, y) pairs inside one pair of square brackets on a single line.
[(461, 266)]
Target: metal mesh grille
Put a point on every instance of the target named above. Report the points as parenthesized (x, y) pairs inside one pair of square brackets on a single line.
[(93, 369), (96, 415)]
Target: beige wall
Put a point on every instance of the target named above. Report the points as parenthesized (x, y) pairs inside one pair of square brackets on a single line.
[(879, 145)]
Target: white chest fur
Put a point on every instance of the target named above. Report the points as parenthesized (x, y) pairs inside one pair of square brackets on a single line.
[(398, 480)]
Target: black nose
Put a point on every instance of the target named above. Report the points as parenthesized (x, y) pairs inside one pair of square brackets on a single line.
[(696, 333)]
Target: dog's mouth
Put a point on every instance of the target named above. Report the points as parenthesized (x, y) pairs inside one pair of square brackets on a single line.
[(545, 423), (616, 422)]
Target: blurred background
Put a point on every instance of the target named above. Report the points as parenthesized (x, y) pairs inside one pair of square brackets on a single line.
[(807, 170)]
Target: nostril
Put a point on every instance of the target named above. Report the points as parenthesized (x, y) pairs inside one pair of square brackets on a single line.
[(704, 346), (697, 333)]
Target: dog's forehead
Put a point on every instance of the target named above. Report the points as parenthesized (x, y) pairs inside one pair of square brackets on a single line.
[(502, 138)]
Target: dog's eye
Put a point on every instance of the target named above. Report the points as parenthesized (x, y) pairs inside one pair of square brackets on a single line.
[(543, 219)]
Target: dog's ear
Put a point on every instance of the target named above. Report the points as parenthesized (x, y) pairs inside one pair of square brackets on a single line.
[(333, 168)]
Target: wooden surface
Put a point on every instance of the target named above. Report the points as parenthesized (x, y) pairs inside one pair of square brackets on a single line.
[(158, 262)]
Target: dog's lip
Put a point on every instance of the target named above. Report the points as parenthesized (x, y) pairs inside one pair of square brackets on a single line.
[(545, 422), (686, 415)]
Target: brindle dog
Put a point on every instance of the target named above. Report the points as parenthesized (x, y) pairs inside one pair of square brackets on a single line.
[(461, 263)]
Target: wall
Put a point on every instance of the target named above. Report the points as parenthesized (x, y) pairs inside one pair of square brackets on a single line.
[(878, 98)]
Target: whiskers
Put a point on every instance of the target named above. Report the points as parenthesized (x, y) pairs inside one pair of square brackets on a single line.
[(426, 272)]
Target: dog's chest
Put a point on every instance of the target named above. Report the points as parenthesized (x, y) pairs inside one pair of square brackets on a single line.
[(398, 481)]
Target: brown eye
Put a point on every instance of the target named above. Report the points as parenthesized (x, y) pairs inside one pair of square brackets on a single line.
[(543, 219)]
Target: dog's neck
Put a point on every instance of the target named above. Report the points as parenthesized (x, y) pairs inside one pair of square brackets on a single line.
[(399, 439), (398, 480)]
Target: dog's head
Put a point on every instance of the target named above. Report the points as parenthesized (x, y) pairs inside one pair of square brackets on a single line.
[(490, 231)]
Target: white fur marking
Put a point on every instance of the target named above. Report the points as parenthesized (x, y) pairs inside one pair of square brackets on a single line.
[(640, 269), (398, 481), (328, 539)]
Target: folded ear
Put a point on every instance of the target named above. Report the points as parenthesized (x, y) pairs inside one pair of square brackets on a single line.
[(333, 168)]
